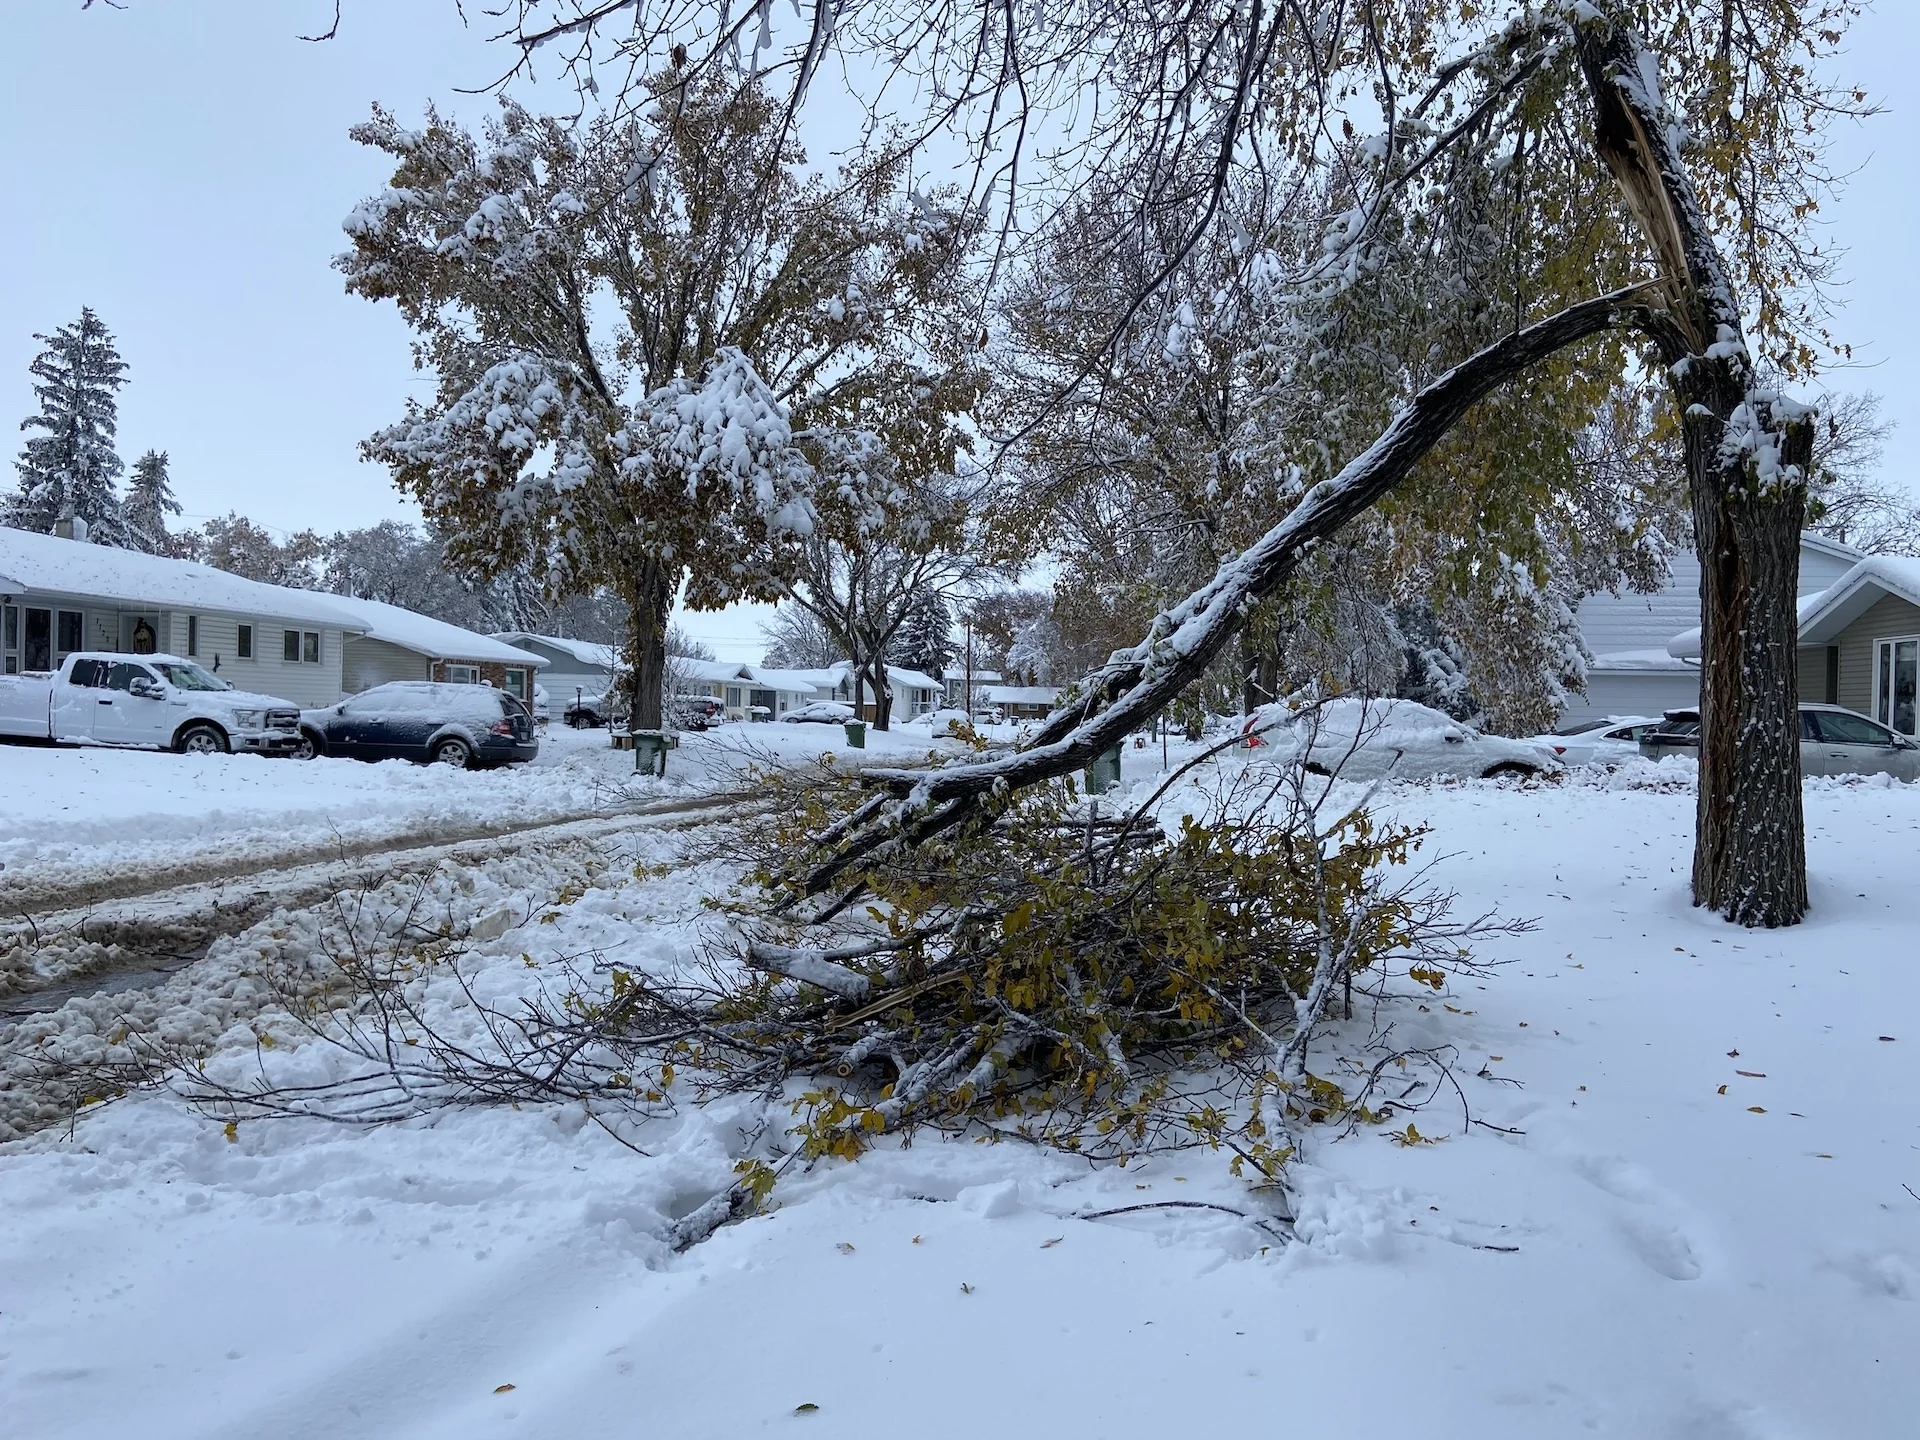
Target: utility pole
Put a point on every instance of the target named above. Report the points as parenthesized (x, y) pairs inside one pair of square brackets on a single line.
[(969, 680)]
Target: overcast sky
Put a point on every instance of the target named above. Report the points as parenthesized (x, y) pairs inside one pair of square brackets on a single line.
[(182, 166)]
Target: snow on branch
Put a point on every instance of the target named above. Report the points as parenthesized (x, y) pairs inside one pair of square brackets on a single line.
[(1135, 685)]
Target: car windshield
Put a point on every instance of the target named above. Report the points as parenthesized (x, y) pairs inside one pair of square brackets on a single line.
[(1586, 729), (187, 676)]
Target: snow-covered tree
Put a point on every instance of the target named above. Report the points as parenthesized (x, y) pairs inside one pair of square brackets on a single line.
[(70, 468), (149, 501), (234, 543), (797, 640), (925, 641), (634, 327), (401, 565)]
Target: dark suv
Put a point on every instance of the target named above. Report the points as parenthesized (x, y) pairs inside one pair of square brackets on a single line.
[(459, 725)]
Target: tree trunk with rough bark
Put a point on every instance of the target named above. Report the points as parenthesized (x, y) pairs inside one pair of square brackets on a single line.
[(1749, 858), (649, 603), (1748, 452)]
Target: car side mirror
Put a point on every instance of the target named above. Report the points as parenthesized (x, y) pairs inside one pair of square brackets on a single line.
[(144, 688)]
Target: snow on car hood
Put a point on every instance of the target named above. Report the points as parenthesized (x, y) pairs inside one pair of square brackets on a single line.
[(239, 699)]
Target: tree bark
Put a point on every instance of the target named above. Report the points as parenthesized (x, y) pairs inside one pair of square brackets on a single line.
[(1747, 453), (1749, 857), (649, 603)]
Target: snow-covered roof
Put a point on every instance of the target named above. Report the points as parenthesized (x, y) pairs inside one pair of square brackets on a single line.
[(1022, 694), (980, 677), (129, 577), (913, 679), (427, 636), (1639, 660), (1822, 616), (709, 671), (830, 677), (799, 682), (587, 652)]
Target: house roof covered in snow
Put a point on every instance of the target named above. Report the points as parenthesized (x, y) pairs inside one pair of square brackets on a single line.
[(980, 677), (1825, 614), (594, 656), (129, 577), (426, 636), (799, 682)]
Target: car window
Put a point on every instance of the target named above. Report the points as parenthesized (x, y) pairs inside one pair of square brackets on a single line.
[(120, 675), (90, 673), (1586, 729), (187, 676), (1808, 730), (1839, 728)]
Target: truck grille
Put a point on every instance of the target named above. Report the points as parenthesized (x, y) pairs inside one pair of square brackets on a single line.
[(282, 719)]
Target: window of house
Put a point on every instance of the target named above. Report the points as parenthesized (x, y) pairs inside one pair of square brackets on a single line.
[(517, 684), (1896, 679), (463, 674), (310, 647), (193, 634), (72, 631), (243, 645), (290, 646), (10, 637), (733, 696)]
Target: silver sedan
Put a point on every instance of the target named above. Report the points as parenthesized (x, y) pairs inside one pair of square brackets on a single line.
[(1833, 741)]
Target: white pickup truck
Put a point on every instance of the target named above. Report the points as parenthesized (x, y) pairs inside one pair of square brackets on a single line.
[(158, 701)]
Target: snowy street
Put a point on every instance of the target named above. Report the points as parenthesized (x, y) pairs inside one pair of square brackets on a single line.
[(1673, 1205)]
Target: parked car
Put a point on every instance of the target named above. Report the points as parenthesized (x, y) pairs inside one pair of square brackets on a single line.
[(819, 712), (459, 725), (1833, 741), (590, 712), (1600, 742), (1361, 739), (696, 712), (159, 702)]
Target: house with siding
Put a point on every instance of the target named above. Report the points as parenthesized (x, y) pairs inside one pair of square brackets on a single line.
[(1859, 642), (576, 670), (1633, 671), (746, 692), (59, 595), (913, 693), (398, 644)]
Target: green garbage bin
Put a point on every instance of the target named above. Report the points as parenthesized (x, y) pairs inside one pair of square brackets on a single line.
[(1104, 773), (856, 734), (650, 751)]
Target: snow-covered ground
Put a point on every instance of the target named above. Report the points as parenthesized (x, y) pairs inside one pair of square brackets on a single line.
[(68, 816), (1692, 1221)]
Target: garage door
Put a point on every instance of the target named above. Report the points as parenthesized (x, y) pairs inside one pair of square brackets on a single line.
[(1632, 692)]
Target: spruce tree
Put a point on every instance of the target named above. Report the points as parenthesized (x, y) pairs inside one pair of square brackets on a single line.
[(149, 502), (71, 466), (925, 641)]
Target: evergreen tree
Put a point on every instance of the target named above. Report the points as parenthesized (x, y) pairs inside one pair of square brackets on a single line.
[(925, 642), (71, 467), (149, 502)]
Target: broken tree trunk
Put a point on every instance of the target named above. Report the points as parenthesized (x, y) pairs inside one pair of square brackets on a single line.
[(1747, 455)]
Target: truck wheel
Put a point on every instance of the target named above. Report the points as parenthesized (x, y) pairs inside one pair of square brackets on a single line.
[(200, 740), (456, 753)]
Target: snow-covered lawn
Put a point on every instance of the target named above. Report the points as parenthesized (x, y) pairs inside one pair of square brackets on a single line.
[(1702, 1228), (69, 815)]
